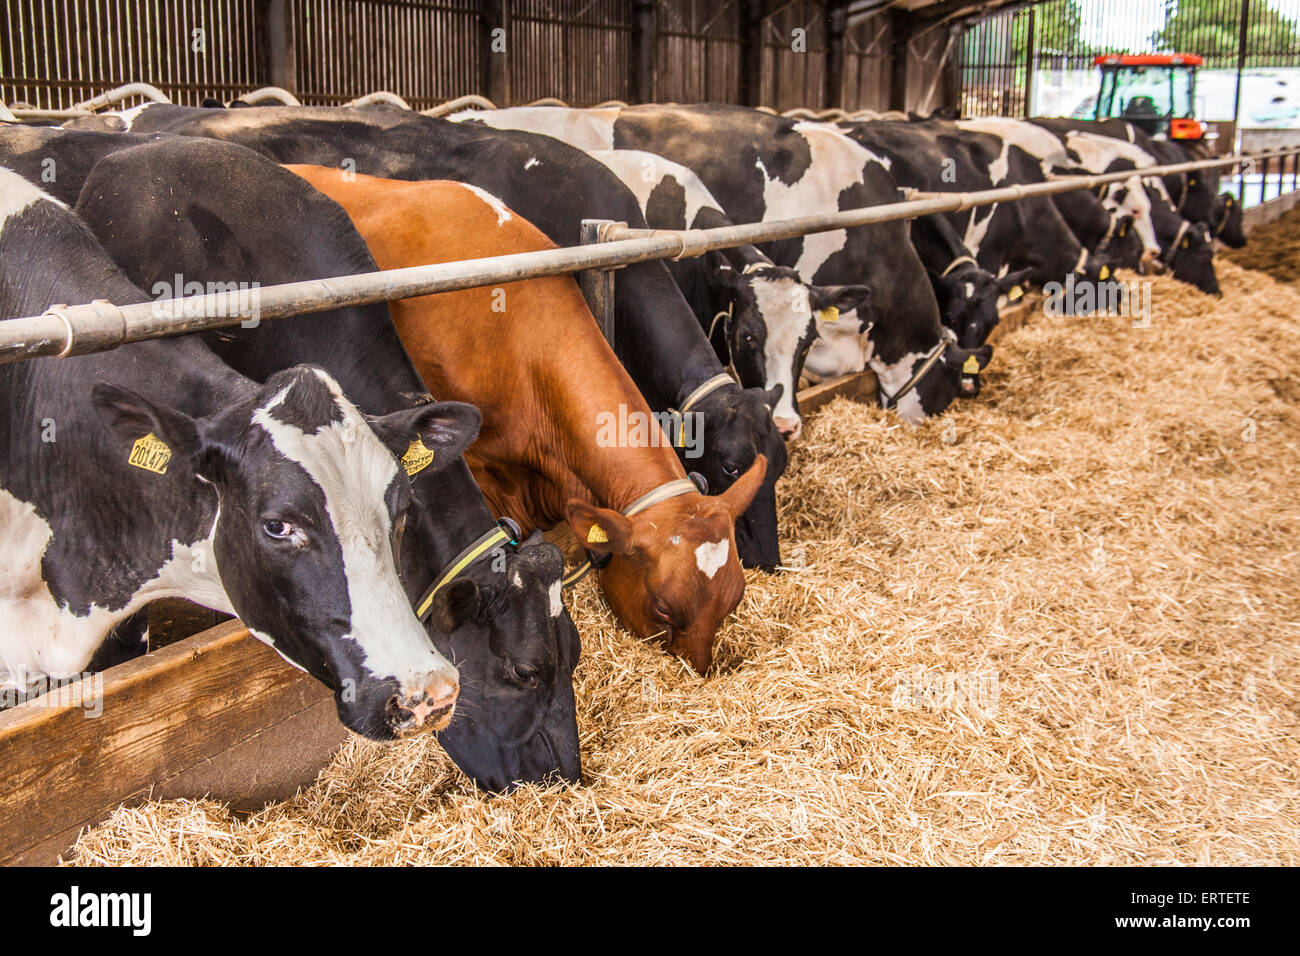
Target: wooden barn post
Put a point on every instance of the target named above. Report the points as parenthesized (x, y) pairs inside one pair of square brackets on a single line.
[(495, 65), (837, 21), (645, 40), (900, 34), (277, 56)]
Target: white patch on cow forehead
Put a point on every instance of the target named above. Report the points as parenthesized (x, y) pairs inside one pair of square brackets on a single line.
[(17, 195), (503, 214), (353, 470), (557, 601), (786, 310), (711, 556)]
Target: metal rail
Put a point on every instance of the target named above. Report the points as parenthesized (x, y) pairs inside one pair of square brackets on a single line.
[(79, 329)]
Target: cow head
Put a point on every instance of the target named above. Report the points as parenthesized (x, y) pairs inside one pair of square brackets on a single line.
[(1225, 221), (309, 497), (1191, 258), (954, 373), (737, 430), (503, 621), (1124, 248), (969, 297), (773, 324), (673, 574)]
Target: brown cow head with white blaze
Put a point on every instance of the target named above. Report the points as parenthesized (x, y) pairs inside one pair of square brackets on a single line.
[(673, 573)]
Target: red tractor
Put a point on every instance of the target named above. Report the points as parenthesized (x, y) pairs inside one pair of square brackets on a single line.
[(1154, 92)]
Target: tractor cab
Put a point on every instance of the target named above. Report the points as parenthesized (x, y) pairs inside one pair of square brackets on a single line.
[(1155, 92)]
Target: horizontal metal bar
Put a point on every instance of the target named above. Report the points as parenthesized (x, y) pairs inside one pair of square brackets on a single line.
[(78, 329)]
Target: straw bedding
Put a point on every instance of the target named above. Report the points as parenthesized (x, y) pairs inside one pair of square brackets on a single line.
[(1057, 625)]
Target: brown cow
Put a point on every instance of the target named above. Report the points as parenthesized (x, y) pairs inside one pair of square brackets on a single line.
[(531, 357)]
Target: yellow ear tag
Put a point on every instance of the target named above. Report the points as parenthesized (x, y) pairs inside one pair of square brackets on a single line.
[(971, 366), (1015, 293), (151, 454), (1123, 229), (596, 535), (417, 458), (1186, 243), (829, 314), (1104, 273)]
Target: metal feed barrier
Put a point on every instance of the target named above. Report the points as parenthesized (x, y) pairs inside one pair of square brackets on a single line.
[(77, 329)]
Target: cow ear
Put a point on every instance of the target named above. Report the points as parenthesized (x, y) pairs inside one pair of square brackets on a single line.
[(599, 530), (132, 417), (432, 435), (844, 298), (1013, 279), (717, 263), (743, 490), (454, 604), (773, 395)]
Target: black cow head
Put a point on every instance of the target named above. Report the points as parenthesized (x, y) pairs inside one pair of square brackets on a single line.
[(504, 624), (309, 497), (1123, 249), (956, 373), (738, 427), (969, 297), (1191, 259), (1225, 221), (773, 324)]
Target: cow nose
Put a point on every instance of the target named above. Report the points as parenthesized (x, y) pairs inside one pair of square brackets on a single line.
[(788, 427), (428, 708)]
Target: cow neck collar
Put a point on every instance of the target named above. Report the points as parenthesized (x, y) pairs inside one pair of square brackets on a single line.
[(955, 263), (1168, 255), (703, 389), (669, 489), (891, 401), (505, 532)]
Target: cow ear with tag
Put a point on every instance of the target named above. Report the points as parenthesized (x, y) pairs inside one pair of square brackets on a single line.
[(599, 530), (151, 435), (830, 300), (429, 436)]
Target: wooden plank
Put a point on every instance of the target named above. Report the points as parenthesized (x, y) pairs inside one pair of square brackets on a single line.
[(1264, 213), (857, 387), (218, 714), (1014, 316)]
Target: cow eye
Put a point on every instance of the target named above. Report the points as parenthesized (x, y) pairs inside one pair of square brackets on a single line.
[(523, 675), (279, 530), (660, 610)]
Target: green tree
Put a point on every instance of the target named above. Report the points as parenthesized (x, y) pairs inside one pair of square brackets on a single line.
[(1058, 30), (1199, 26)]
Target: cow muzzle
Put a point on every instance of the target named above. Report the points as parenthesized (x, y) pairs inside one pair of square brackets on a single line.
[(429, 708), (789, 426)]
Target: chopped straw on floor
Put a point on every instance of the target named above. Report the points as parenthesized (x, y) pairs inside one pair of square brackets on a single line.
[(1057, 625)]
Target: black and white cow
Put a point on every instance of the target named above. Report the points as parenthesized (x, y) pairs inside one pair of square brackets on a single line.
[(762, 167), (214, 212), (1182, 246), (155, 470), (1195, 195), (555, 187), (968, 296), (959, 157), (762, 317)]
